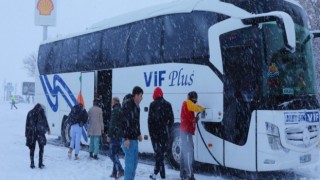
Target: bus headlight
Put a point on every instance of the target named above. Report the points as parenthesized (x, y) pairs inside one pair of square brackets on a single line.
[(274, 137)]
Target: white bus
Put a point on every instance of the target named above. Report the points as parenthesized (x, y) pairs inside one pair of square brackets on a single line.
[(250, 63)]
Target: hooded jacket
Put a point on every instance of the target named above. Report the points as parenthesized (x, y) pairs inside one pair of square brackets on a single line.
[(36, 126), (160, 116), (116, 125), (187, 117)]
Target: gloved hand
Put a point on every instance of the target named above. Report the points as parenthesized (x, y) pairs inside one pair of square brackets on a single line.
[(197, 118)]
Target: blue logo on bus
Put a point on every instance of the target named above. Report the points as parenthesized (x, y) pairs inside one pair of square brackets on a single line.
[(174, 78), (296, 117), (52, 93)]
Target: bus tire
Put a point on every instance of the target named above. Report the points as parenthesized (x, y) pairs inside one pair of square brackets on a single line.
[(174, 149), (65, 130)]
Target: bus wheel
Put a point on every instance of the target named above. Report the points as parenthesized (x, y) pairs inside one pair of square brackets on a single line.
[(174, 152), (65, 130)]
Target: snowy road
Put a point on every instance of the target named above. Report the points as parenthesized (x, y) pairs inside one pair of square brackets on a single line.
[(14, 159)]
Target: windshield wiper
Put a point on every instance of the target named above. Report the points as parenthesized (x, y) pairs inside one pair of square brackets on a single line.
[(287, 103), (304, 42)]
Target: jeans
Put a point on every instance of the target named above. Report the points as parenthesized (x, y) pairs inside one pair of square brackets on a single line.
[(75, 133), (114, 148), (94, 144), (187, 154), (130, 159), (159, 147)]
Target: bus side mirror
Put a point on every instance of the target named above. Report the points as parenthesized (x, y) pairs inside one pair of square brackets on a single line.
[(316, 33), (283, 20)]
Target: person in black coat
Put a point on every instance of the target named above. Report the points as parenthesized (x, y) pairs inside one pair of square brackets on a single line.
[(131, 134), (36, 128), (160, 121)]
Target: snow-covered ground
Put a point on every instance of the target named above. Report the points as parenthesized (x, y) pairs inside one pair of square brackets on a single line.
[(15, 162), (14, 158)]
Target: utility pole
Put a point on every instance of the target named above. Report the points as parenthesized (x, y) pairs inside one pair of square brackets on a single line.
[(45, 32)]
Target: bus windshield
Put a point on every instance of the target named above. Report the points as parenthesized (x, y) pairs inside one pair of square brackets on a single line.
[(288, 74), (261, 74)]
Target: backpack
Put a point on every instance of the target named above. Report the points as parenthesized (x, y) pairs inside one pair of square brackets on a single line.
[(126, 98), (124, 105), (83, 118), (78, 115)]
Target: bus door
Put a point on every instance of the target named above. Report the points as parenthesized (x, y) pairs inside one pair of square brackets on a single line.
[(87, 93), (236, 51), (104, 94), (87, 88)]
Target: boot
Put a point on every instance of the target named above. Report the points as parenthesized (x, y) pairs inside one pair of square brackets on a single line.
[(121, 173), (76, 157), (69, 153), (91, 155), (152, 177), (191, 177), (41, 166), (162, 172), (32, 158), (114, 175), (95, 157), (32, 165)]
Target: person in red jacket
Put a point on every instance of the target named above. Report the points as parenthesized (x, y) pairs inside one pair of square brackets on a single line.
[(187, 129)]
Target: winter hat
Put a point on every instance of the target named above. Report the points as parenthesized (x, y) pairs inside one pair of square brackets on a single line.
[(192, 95), (157, 93)]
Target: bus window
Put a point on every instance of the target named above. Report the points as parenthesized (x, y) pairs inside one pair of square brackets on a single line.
[(89, 51), (45, 61), (114, 46), (144, 44), (69, 54), (178, 30)]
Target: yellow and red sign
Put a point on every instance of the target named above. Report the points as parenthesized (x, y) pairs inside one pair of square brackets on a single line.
[(45, 7), (45, 12)]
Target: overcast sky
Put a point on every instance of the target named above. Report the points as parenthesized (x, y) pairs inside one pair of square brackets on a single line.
[(19, 37)]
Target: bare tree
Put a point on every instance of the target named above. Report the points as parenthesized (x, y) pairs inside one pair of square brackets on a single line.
[(30, 64)]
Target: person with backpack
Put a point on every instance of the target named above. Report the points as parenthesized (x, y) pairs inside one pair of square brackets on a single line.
[(114, 137), (160, 121), (36, 128), (132, 133), (187, 129), (95, 129), (78, 117)]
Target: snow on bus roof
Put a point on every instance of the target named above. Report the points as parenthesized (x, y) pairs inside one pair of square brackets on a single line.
[(178, 6)]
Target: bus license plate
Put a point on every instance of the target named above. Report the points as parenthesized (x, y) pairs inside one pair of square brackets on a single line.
[(305, 158)]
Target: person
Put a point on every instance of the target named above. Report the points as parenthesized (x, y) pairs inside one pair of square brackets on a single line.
[(131, 119), (187, 129), (114, 137), (36, 128), (96, 129), (13, 101), (78, 117), (160, 121)]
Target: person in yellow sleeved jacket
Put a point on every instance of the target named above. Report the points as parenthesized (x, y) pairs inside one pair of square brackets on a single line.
[(187, 129)]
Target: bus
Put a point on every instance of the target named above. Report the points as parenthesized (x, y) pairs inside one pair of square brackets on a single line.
[(250, 62)]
